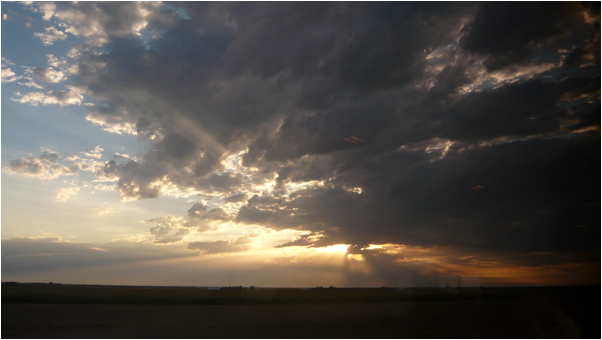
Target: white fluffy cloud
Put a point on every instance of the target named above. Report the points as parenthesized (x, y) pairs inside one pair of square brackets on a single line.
[(46, 8), (9, 76), (47, 74), (61, 98), (96, 153), (117, 124), (96, 21), (64, 194), (50, 35)]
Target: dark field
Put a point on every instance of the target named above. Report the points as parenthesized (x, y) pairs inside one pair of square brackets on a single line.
[(70, 311)]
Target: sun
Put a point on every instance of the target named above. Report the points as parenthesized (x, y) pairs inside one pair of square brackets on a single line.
[(335, 248)]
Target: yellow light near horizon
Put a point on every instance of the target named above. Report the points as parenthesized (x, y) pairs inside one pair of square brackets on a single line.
[(374, 246), (335, 248), (356, 257)]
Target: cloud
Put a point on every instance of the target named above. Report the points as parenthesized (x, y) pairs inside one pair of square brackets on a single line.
[(307, 143), (61, 98), (168, 233), (514, 33), (47, 74), (96, 153), (27, 255), (59, 260), (49, 155), (9, 76), (256, 104), (56, 62), (64, 194), (125, 156), (50, 164), (86, 164), (97, 22), (236, 198), (200, 219), (41, 168), (171, 229), (520, 71), (307, 240), (7, 62), (30, 83), (46, 8), (50, 35), (218, 247)]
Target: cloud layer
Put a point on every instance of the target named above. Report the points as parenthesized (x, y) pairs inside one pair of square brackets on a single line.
[(466, 126)]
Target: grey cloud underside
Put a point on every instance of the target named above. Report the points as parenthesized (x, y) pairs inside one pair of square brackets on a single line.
[(218, 247), (169, 229), (534, 197), (23, 255), (47, 74), (503, 167), (236, 198), (515, 32), (44, 166)]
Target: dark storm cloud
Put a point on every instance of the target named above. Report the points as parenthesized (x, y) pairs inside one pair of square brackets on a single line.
[(522, 109), (390, 109), (177, 146), (514, 32), (338, 48), (532, 196), (447, 82)]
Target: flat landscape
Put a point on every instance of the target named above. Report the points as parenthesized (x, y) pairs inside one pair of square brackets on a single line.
[(80, 311)]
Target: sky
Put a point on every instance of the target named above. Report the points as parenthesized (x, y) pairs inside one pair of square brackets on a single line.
[(347, 144)]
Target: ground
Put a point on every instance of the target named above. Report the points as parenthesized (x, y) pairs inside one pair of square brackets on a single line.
[(490, 314)]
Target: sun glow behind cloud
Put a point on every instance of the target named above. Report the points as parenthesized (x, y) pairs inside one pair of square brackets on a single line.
[(335, 248)]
